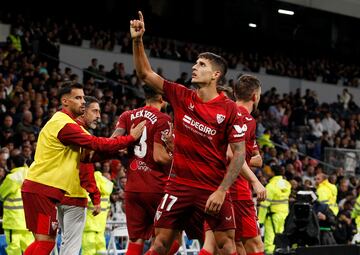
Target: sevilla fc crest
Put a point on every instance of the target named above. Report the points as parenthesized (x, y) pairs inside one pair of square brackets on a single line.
[(220, 118)]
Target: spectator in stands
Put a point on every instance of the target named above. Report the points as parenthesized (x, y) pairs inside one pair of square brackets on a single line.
[(327, 222), (344, 190), (265, 139), (344, 99), (309, 174), (26, 123), (183, 79), (14, 39), (316, 127), (330, 125), (345, 227), (91, 71)]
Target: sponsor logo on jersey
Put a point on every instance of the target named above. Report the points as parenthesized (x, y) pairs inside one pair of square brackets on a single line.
[(220, 118), (138, 165), (198, 126), (240, 130)]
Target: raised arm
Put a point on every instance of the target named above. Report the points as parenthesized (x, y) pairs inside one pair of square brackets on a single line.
[(141, 62)]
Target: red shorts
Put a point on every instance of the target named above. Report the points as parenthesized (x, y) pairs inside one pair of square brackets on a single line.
[(183, 206), (140, 212), (40, 213), (245, 218)]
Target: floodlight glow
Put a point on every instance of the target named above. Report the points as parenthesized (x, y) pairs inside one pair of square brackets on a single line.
[(287, 12), (252, 25)]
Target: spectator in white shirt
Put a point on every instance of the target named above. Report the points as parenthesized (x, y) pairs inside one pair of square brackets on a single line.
[(330, 125), (317, 127)]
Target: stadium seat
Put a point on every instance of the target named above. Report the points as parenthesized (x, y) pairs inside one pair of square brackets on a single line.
[(189, 246), (119, 240)]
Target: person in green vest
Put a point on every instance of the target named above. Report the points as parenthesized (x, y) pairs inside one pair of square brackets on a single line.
[(93, 241), (355, 214), (17, 235), (326, 192), (265, 139), (274, 210), (14, 39)]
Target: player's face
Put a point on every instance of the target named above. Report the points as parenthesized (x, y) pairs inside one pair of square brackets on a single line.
[(75, 102), (92, 115), (202, 73)]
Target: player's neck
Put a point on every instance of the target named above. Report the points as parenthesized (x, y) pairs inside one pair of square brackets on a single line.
[(247, 105), (154, 105), (67, 110), (207, 93), (80, 120)]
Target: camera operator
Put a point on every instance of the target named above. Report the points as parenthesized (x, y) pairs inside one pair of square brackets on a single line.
[(310, 222), (327, 222)]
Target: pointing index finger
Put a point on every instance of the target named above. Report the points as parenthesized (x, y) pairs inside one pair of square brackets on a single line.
[(141, 17)]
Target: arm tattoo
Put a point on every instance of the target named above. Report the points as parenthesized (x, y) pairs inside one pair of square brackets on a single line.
[(235, 165)]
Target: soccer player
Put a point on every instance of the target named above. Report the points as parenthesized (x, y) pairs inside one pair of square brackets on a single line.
[(247, 93), (204, 123), (72, 210), (56, 166), (148, 168)]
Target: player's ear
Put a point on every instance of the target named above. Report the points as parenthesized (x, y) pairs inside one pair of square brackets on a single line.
[(253, 97)]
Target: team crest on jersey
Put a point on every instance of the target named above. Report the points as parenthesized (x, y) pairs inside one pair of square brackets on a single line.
[(220, 118), (191, 106)]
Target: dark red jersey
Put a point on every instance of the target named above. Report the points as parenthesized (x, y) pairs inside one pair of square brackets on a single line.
[(144, 174)]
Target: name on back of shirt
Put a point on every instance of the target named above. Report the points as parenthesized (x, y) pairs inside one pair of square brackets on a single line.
[(145, 114)]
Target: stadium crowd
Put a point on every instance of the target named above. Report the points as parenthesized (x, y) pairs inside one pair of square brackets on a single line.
[(312, 68), (293, 129)]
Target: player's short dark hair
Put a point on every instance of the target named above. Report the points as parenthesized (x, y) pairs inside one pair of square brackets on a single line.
[(150, 93), (245, 87), (89, 100), (217, 61), (66, 89)]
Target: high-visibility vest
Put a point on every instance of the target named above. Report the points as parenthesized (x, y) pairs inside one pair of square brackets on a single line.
[(355, 213), (10, 194), (278, 191), (327, 194), (98, 223), (16, 42)]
